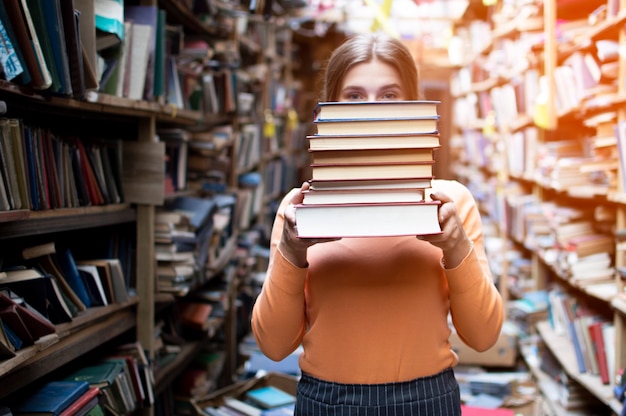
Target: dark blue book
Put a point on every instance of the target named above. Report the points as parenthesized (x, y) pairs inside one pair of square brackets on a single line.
[(67, 264), (31, 168), (12, 336), (53, 23), (51, 399)]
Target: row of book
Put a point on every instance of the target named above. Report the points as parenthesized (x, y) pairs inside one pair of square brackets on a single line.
[(42, 170), (592, 336), (66, 48), (190, 235), (372, 166), (119, 383), (51, 287)]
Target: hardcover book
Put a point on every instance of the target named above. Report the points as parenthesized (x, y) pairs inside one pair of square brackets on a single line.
[(41, 291), (378, 125), (52, 398), (367, 220), (363, 196), (369, 140), (354, 184), (372, 156), (346, 110), (269, 397), (372, 171)]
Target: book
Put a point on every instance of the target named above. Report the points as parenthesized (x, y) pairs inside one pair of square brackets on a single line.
[(135, 350), (378, 125), (373, 184), (85, 11), (43, 257), (362, 196), (195, 315), (124, 383), (241, 407), (17, 141), (83, 404), (52, 398), (269, 397), (373, 156), (112, 278), (73, 49), (39, 290), (67, 265), (134, 375), (104, 376), (23, 320), (16, 69), (139, 55), (10, 64), (93, 283), (346, 110), (372, 171), (597, 341), (145, 27), (367, 220), (101, 375), (370, 140), (95, 411), (27, 41), (46, 15), (7, 346)]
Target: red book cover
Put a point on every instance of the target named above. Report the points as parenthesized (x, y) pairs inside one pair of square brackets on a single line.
[(84, 400), (595, 332), (90, 178)]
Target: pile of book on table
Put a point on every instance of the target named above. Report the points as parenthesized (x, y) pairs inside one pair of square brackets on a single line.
[(372, 166)]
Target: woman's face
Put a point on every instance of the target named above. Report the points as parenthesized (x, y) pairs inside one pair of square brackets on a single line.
[(371, 81)]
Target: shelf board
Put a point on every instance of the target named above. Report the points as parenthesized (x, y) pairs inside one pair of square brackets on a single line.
[(98, 103), (66, 219), (563, 350), (71, 341)]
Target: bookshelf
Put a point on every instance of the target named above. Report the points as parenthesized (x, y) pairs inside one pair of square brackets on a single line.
[(514, 119), (236, 53)]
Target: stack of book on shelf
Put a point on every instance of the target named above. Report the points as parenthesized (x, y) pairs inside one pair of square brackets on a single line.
[(47, 286), (60, 397), (372, 167)]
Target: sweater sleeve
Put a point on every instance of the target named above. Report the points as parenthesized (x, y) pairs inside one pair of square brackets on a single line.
[(278, 317), (475, 302)]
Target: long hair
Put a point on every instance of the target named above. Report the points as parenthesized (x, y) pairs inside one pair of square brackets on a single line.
[(365, 48)]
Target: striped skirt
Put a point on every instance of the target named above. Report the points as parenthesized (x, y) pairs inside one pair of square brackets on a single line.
[(436, 395)]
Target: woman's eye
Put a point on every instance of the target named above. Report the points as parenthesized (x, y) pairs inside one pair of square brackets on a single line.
[(389, 96), (354, 96)]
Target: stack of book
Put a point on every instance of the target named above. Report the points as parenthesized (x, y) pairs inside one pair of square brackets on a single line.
[(372, 166)]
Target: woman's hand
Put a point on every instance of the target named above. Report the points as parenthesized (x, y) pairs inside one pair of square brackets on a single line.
[(291, 246), (453, 240)]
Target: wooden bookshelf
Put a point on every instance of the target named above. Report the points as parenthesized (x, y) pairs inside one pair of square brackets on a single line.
[(521, 176)]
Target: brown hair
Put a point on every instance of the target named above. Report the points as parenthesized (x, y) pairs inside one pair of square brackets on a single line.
[(365, 48)]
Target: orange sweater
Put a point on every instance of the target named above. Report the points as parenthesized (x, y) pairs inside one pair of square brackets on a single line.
[(375, 310)]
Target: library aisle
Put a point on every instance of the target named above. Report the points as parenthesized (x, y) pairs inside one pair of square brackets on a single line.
[(145, 147)]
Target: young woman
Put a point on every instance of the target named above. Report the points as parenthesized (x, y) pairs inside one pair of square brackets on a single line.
[(372, 313)]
